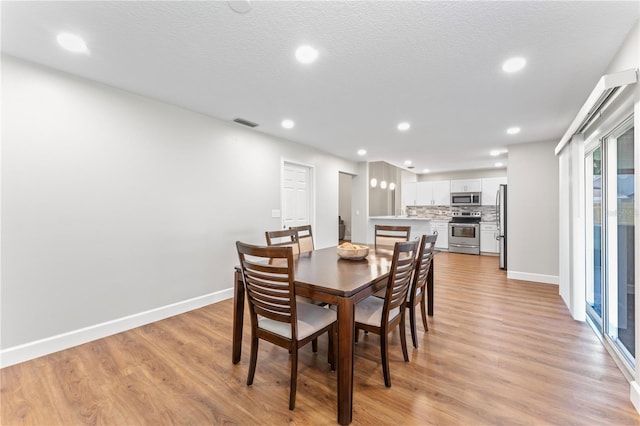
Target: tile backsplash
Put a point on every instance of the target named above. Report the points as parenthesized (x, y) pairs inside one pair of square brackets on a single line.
[(444, 212)]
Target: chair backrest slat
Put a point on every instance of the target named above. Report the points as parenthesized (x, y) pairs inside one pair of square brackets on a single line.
[(269, 285), (423, 263), (402, 266), (305, 238), (283, 238), (387, 236)]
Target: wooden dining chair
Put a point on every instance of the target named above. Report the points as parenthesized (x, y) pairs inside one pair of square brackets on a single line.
[(417, 293), (381, 316), (386, 236), (291, 237), (276, 316), (305, 238), (283, 237)]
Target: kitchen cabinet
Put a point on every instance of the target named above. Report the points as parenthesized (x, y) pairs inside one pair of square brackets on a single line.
[(409, 190), (442, 228), (442, 193), (490, 189), (433, 193), (488, 238), (466, 185)]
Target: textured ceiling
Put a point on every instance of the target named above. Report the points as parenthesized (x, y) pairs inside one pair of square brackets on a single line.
[(434, 64)]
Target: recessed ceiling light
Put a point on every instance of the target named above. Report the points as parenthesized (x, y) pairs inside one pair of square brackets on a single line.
[(513, 130), (495, 153), (72, 43), (498, 164), (514, 64), (306, 54), (288, 124), (362, 152), (404, 126), (408, 162), (425, 170)]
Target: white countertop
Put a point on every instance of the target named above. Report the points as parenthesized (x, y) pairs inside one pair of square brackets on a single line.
[(398, 218)]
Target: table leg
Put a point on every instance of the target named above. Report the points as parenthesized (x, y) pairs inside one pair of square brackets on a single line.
[(346, 318), (238, 316), (430, 289)]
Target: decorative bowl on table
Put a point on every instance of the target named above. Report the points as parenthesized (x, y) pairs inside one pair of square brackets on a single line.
[(352, 251)]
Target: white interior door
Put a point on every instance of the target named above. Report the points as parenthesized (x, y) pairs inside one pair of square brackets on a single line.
[(296, 195)]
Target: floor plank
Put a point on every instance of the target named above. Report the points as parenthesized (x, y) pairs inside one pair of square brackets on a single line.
[(498, 351)]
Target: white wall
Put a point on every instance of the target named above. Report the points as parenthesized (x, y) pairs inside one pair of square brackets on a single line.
[(628, 56), (532, 212), (114, 204)]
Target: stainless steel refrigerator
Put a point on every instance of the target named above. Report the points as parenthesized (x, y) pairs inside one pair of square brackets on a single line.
[(501, 219)]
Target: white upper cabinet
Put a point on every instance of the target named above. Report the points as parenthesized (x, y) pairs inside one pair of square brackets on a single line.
[(438, 193), (441, 193), (490, 189), (409, 190), (425, 193), (466, 185), (434, 193)]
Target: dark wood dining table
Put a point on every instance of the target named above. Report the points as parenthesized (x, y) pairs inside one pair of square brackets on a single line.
[(323, 276)]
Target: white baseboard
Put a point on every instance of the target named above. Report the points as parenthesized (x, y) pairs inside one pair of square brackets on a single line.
[(538, 278), (635, 395), (49, 345)]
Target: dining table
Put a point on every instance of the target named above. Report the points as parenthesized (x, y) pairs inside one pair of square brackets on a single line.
[(323, 276)]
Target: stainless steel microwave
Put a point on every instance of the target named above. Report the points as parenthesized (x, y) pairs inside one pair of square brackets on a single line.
[(465, 199)]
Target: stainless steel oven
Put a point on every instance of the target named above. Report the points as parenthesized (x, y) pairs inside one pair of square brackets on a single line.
[(464, 232)]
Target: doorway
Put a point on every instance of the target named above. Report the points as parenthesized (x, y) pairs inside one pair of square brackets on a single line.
[(344, 207)]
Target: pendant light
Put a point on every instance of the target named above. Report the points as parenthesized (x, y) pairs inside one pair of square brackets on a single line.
[(383, 183), (392, 175), (374, 181)]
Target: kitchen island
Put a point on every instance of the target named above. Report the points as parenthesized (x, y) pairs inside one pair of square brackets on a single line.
[(419, 225)]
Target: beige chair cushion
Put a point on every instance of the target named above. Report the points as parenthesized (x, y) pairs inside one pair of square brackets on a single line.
[(369, 311), (311, 318), (306, 244)]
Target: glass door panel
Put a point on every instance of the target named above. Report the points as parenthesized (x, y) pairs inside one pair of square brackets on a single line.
[(593, 237), (620, 245)]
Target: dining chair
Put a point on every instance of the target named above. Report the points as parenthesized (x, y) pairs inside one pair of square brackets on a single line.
[(283, 237), (381, 316), (290, 237), (386, 236), (418, 289), (276, 316), (305, 238)]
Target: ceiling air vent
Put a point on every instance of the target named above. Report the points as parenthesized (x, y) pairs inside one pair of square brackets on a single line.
[(245, 122)]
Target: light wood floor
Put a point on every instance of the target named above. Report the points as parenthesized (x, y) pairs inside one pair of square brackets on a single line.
[(498, 351)]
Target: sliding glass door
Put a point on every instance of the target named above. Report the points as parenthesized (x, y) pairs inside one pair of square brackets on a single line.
[(620, 229), (593, 237), (609, 239)]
